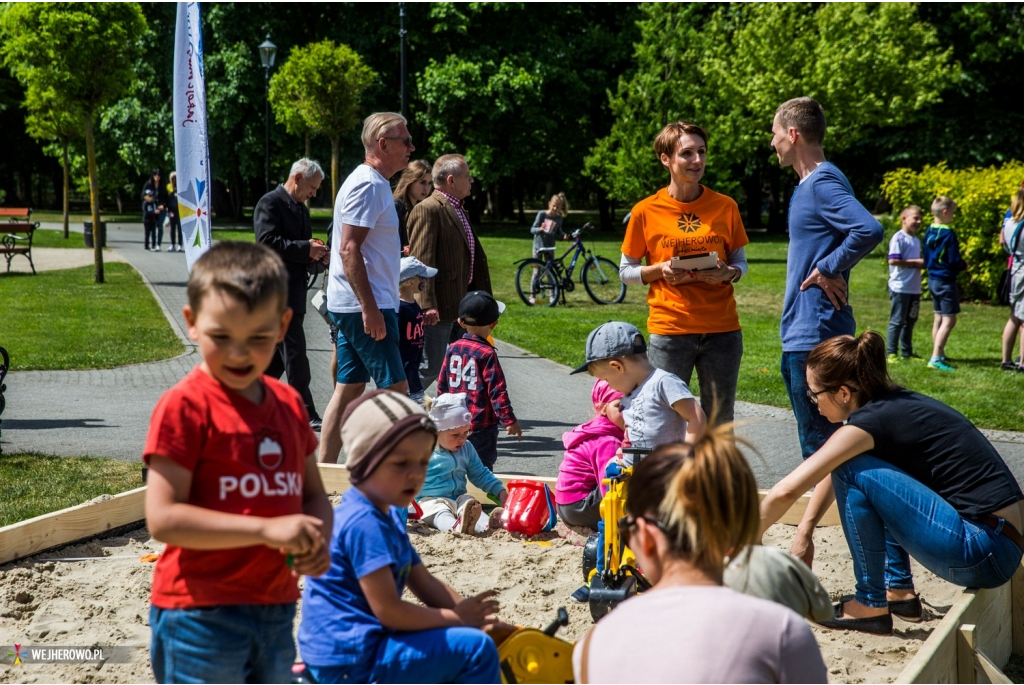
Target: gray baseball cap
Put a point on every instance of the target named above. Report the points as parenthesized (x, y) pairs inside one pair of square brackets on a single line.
[(612, 339), (410, 266)]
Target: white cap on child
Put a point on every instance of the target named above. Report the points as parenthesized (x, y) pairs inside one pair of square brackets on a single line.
[(449, 411)]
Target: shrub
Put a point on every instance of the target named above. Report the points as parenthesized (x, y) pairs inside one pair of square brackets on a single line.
[(982, 196)]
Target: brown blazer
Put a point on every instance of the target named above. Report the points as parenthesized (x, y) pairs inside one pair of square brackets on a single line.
[(437, 238)]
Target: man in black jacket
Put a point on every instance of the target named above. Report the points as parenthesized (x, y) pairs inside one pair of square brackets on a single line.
[(281, 222)]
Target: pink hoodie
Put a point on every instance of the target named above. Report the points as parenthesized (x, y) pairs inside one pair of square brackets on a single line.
[(588, 449)]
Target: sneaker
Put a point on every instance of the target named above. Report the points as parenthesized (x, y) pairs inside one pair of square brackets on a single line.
[(470, 514), (156, 249), (316, 423), (531, 299), (1009, 366), (582, 594), (940, 364), (893, 358)]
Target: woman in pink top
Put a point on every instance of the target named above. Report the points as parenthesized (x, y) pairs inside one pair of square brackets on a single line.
[(588, 449), (687, 508)]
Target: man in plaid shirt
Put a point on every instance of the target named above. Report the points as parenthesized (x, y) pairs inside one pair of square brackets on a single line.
[(471, 366)]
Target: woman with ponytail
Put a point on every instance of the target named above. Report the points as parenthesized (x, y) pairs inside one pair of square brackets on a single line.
[(912, 477), (687, 509)]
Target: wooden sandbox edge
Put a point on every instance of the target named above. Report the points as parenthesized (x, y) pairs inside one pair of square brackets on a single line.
[(68, 525)]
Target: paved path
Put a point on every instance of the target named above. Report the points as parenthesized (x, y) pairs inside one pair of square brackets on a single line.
[(106, 413)]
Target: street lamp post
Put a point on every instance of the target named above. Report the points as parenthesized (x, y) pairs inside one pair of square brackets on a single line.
[(268, 51)]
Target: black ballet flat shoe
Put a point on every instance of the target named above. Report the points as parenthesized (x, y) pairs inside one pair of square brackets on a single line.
[(876, 625), (907, 609), (316, 423)]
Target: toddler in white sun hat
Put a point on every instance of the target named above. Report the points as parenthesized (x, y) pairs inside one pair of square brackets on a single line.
[(445, 503)]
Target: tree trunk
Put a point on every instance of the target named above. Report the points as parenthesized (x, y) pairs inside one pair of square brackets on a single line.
[(335, 152), (94, 197), (604, 210), (67, 208), (309, 147)]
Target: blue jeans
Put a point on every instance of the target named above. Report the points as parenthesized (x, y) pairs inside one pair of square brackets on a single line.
[(441, 655), (881, 507), (485, 440), (813, 428), (902, 317), (716, 356), (244, 643)]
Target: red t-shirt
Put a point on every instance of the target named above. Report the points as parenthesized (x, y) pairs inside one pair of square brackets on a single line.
[(245, 459)]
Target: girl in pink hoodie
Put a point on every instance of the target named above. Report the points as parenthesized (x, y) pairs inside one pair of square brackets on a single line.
[(588, 449)]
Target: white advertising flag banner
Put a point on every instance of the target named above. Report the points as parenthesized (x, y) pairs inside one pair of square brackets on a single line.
[(191, 145)]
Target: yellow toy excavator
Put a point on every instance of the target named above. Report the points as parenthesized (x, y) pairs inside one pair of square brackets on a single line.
[(609, 566), (529, 655)]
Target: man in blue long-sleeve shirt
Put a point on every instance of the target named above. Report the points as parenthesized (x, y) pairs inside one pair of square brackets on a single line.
[(829, 232)]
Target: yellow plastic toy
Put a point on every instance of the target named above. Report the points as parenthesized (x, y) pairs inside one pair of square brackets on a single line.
[(529, 655)]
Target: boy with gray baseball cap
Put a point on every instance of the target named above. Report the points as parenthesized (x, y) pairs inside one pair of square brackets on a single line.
[(657, 405)]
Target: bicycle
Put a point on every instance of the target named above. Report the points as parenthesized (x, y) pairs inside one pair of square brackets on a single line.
[(541, 282)]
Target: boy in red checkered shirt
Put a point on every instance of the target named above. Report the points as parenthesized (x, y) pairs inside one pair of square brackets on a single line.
[(471, 366)]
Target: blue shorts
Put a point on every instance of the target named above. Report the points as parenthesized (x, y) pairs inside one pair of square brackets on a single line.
[(361, 358), (945, 297)]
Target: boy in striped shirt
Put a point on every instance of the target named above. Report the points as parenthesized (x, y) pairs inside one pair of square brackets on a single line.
[(471, 366)]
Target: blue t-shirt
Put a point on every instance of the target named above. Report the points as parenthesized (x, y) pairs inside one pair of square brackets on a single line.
[(410, 342), (828, 229), (338, 628)]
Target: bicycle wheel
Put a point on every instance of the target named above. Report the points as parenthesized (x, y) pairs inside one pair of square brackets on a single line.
[(601, 279), (537, 284)]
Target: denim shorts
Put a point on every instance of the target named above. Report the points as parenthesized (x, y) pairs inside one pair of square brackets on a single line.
[(243, 643), (361, 358), (945, 297)]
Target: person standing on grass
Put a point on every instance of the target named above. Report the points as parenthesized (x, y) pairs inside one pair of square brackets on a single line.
[(943, 261), (281, 222), (440, 235), (1012, 240), (693, 321), (546, 229), (362, 293), (829, 233), (905, 266)]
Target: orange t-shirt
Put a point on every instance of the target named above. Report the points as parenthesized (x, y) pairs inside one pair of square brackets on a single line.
[(661, 228)]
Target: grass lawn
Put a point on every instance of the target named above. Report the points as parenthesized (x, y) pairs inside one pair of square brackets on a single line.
[(35, 484), (987, 396), (45, 237), (62, 320)]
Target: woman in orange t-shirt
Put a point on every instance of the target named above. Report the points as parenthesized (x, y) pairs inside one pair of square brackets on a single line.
[(693, 321)]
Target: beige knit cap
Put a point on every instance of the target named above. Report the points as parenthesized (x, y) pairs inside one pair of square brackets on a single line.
[(373, 425)]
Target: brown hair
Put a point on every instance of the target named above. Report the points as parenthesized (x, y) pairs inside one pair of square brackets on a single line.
[(665, 143), (705, 495), (412, 174), (942, 203), (248, 272), (1017, 204), (858, 363), (806, 116)]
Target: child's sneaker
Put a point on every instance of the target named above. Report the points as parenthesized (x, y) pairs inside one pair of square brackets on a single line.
[(494, 523), (470, 514), (940, 364), (582, 594), (893, 358)]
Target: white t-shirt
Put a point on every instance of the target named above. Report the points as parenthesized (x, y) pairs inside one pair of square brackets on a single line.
[(700, 634), (904, 279), (650, 418), (365, 200)]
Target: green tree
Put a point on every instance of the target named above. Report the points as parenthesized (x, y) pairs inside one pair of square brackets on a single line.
[(48, 120), (85, 54), (729, 66), (318, 89)]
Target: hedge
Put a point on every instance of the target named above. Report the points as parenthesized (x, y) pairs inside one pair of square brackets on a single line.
[(982, 196)]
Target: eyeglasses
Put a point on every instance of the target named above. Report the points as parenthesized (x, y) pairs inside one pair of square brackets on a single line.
[(813, 396), (626, 524), (406, 140)]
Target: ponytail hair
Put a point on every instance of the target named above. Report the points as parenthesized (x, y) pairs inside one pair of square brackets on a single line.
[(858, 363), (705, 495), (560, 203)]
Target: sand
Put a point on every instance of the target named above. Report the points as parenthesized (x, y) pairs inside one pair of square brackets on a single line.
[(104, 601)]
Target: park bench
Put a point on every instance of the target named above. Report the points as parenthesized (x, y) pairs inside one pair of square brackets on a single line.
[(17, 234)]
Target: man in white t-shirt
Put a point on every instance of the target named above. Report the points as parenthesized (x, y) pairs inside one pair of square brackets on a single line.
[(362, 293)]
